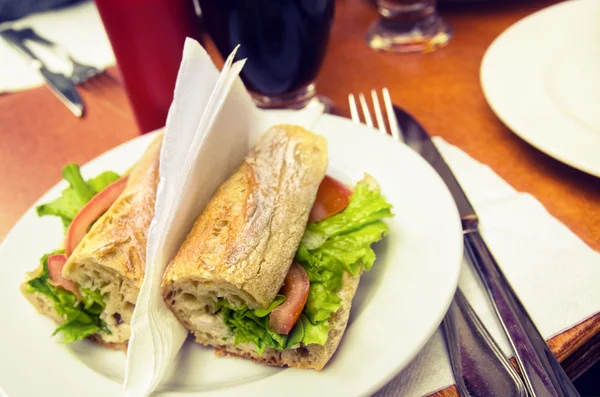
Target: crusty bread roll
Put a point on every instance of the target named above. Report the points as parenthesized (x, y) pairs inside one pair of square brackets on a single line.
[(111, 257), (242, 246)]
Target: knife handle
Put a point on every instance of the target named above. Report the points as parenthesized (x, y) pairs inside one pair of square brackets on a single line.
[(479, 366), (13, 38), (542, 373)]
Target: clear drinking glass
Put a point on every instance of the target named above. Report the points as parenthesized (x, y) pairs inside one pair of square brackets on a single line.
[(284, 42), (408, 26)]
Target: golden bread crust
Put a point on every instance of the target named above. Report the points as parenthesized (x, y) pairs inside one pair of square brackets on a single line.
[(117, 240), (244, 241)]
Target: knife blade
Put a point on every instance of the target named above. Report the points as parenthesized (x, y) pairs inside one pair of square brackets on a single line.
[(62, 87), (543, 375)]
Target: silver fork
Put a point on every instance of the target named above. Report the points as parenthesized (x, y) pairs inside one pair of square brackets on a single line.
[(393, 123), (478, 364), (81, 73)]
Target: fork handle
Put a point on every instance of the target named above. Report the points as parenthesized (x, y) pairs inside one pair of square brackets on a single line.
[(13, 38), (542, 373), (479, 366)]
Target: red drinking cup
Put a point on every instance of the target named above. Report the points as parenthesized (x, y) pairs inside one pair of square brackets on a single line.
[(147, 37)]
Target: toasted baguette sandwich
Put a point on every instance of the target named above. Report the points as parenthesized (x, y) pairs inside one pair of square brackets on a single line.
[(90, 286), (252, 280)]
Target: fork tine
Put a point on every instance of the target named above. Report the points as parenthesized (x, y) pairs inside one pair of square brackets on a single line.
[(378, 115), (365, 109), (353, 109), (83, 84), (394, 127), (97, 80), (114, 79), (105, 76), (92, 83)]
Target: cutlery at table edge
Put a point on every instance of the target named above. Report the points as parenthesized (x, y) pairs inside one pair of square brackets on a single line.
[(478, 365), (62, 87), (541, 372), (81, 73)]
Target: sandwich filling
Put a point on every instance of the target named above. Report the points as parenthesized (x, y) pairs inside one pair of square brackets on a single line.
[(81, 315), (330, 247), (79, 309)]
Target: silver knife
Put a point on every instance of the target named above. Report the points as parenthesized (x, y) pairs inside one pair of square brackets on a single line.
[(60, 85), (479, 366), (541, 371)]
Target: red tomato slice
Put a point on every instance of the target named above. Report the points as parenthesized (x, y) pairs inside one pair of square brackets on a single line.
[(90, 212), (332, 197), (295, 289), (55, 265)]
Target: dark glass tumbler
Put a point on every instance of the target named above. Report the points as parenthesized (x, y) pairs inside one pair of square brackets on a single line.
[(284, 42)]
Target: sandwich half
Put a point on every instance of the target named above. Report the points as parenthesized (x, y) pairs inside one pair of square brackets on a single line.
[(90, 285), (269, 269)]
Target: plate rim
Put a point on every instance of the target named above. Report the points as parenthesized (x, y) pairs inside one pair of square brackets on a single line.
[(484, 78)]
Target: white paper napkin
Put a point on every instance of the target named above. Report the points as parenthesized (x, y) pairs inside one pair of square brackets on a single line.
[(554, 273), (89, 45), (210, 128)]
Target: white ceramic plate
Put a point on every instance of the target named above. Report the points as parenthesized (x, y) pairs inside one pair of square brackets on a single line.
[(399, 304), (542, 78)]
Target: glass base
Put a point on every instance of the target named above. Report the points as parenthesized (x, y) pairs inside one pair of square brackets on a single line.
[(328, 104), (295, 100), (388, 35)]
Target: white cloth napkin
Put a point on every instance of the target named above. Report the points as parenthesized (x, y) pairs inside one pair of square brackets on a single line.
[(78, 28), (209, 130), (554, 273)]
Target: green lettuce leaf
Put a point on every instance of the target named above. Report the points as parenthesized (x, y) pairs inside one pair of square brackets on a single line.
[(353, 250), (338, 244), (329, 248), (321, 302), (279, 299), (366, 206), (82, 319), (76, 195), (315, 333), (308, 333), (252, 326), (297, 334), (92, 301), (98, 183)]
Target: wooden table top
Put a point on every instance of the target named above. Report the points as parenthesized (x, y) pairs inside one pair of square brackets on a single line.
[(441, 89)]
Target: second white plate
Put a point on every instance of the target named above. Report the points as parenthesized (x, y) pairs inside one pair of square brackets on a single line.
[(541, 78)]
